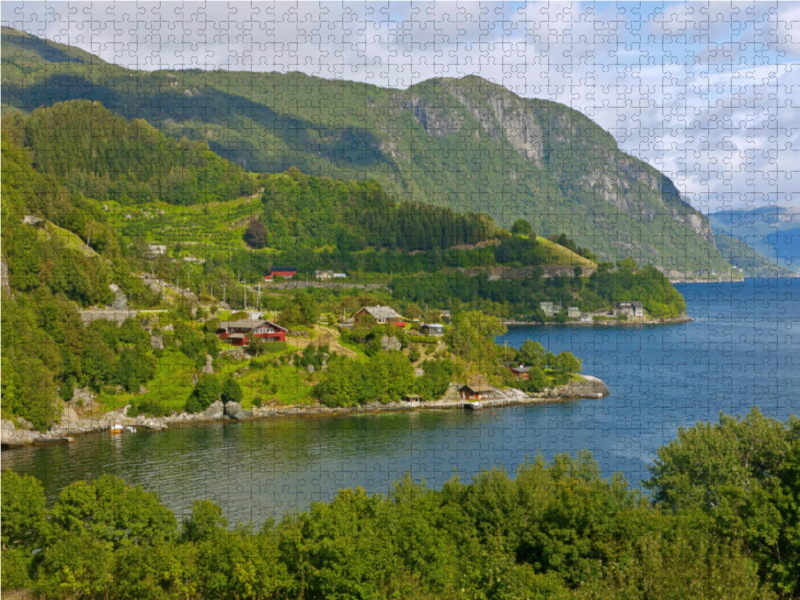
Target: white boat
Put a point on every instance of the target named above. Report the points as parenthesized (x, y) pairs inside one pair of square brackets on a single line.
[(116, 428)]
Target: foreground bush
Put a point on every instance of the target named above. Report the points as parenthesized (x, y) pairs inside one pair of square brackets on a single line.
[(555, 530)]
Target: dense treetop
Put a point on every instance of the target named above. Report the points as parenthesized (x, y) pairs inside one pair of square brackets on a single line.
[(305, 211), (102, 155)]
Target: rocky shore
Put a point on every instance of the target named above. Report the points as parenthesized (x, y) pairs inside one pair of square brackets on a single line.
[(71, 424)]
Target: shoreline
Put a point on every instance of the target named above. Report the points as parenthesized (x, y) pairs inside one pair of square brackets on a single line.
[(684, 318), (589, 388)]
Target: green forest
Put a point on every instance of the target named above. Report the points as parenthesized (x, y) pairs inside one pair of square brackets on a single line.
[(97, 153), (716, 519), (521, 298), (305, 211)]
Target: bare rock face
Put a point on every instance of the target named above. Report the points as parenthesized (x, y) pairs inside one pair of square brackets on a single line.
[(209, 367), (309, 369), (69, 415), (120, 300), (195, 379), (4, 281), (12, 437), (157, 342), (24, 424), (214, 412), (235, 411), (390, 343), (588, 387)]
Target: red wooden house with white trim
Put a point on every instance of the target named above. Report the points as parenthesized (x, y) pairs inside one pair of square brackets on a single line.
[(239, 333)]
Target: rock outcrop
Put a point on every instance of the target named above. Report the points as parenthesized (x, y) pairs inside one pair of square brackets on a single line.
[(235, 411), (214, 412), (588, 387)]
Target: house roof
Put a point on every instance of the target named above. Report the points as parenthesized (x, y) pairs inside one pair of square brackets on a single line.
[(381, 312), (436, 325), (637, 304), (237, 336), (477, 388), (520, 369), (248, 324)]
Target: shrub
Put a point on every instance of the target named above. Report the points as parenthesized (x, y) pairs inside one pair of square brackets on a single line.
[(193, 405), (207, 390), (231, 391), (150, 407)]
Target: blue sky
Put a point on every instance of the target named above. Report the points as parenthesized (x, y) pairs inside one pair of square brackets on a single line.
[(704, 92)]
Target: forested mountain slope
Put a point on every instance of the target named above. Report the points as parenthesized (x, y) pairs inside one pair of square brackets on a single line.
[(467, 144)]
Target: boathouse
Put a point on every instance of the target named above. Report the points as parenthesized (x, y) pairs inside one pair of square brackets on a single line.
[(474, 392)]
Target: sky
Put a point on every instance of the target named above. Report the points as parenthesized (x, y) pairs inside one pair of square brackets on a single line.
[(704, 92)]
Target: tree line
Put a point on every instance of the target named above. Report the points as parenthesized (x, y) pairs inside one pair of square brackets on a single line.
[(303, 211), (521, 297), (103, 156), (720, 522)]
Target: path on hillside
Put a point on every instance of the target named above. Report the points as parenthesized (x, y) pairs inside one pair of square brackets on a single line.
[(327, 336)]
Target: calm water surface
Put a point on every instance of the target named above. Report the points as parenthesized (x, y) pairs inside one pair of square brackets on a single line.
[(742, 350)]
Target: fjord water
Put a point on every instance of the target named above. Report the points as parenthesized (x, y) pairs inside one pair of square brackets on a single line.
[(741, 350)]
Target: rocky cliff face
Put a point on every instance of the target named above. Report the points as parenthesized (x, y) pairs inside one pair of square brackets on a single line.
[(546, 145)]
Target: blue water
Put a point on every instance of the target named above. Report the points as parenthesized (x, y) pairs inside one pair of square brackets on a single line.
[(741, 350)]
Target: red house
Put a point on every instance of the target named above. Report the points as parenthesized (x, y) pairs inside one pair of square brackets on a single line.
[(239, 333), (475, 392), (520, 372), (285, 272)]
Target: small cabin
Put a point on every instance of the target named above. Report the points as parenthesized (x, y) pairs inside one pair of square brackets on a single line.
[(631, 309), (412, 399), (432, 329), (474, 392), (382, 314)]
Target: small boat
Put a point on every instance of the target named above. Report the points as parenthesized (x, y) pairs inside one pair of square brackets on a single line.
[(131, 429), (116, 428)]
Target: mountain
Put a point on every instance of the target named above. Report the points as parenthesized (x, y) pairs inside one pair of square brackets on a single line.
[(772, 231), (464, 143)]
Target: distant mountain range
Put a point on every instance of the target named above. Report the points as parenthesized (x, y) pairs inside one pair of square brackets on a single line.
[(772, 232), (467, 144)]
